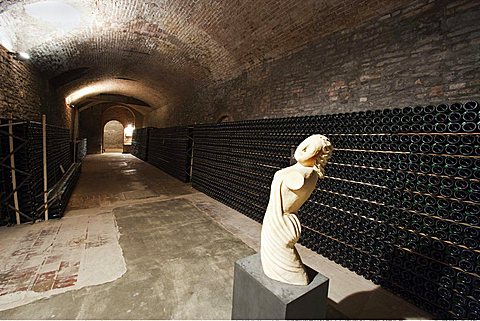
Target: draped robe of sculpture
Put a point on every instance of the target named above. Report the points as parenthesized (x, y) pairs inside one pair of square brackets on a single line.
[(281, 228)]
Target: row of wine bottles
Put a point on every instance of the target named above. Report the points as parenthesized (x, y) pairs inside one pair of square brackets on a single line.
[(404, 178), (421, 280), (367, 192), (140, 142), (427, 164), (445, 187), (244, 205), (290, 135), (169, 149), (352, 141), (452, 210), (401, 184), (392, 225), (442, 118)]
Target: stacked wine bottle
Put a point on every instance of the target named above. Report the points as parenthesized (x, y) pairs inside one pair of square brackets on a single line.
[(61, 175), (29, 171), (28, 153), (140, 142), (235, 162), (81, 149), (169, 149), (58, 201), (59, 153), (400, 204)]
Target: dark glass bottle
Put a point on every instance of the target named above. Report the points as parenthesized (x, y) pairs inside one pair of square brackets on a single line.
[(468, 127)]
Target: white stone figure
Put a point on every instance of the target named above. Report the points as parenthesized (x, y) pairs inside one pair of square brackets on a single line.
[(281, 229)]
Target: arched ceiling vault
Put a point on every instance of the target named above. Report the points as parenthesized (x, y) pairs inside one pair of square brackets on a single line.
[(114, 100), (156, 51)]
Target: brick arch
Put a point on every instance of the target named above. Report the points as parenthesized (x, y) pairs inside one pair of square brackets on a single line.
[(162, 51), (120, 113)]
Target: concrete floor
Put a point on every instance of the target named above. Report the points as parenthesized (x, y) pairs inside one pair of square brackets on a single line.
[(178, 247), (57, 256)]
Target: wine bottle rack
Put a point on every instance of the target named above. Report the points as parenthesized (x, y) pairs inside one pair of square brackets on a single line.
[(28, 152), (59, 197), (169, 149), (400, 204), (61, 174), (59, 153), (27, 137), (81, 149), (140, 142)]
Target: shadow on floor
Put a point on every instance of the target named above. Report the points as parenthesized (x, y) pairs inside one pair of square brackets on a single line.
[(369, 305)]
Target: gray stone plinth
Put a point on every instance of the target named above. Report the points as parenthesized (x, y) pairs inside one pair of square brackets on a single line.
[(256, 296)]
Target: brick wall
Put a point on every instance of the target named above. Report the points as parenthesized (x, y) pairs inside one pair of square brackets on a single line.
[(91, 128), (25, 93), (122, 114), (93, 120), (426, 52)]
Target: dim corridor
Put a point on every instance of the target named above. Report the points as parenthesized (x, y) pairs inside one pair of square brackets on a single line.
[(136, 243), (132, 245)]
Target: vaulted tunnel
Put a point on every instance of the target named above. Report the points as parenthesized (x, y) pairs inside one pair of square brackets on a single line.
[(219, 93)]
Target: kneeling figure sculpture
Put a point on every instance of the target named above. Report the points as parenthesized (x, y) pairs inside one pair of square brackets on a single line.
[(281, 229)]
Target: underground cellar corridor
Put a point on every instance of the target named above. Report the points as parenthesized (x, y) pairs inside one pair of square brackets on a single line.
[(150, 149), (133, 239), (139, 240)]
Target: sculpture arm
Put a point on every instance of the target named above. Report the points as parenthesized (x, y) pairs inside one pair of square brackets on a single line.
[(294, 181)]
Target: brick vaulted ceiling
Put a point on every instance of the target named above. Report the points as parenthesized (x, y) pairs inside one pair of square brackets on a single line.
[(157, 51)]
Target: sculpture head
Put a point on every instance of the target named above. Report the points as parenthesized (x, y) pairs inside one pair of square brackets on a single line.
[(315, 151)]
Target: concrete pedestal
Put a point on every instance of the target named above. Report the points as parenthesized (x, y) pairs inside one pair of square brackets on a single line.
[(256, 296)]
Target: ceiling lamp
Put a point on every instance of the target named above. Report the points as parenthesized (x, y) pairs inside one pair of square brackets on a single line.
[(19, 55), (129, 130), (23, 56)]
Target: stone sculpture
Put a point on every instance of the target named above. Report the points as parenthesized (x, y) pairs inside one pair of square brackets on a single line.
[(281, 229)]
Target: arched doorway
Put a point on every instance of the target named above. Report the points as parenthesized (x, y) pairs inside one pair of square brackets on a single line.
[(113, 137)]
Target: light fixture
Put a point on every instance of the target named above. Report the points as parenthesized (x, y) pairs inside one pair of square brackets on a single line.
[(19, 55), (129, 130), (23, 55)]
